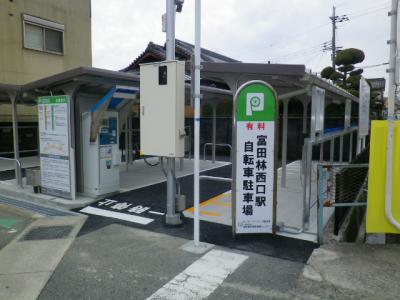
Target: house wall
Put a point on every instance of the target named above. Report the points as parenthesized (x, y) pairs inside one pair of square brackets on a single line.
[(19, 65)]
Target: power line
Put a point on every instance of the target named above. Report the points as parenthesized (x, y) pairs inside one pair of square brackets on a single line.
[(373, 66), (365, 14), (293, 57), (340, 4), (368, 13), (369, 9), (329, 46), (300, 34), (303, 56), (307, 31), (318, 64), (311, 49), (319, 55)]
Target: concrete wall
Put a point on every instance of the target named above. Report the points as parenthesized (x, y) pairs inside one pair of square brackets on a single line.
[(19, 65)]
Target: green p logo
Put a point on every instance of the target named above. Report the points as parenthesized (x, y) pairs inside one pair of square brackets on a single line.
[(254, 102)]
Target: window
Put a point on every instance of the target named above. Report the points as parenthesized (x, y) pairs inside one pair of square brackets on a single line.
[(43, 35)]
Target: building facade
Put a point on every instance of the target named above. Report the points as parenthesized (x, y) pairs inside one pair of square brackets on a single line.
[(43, 37), (39, 38)]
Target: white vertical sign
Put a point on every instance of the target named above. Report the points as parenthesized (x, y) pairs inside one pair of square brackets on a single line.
[(254, 191), (255, 176), (318, 110), (363, 107)]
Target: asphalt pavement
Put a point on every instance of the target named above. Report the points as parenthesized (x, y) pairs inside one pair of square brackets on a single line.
[(154, 197), (121, 262)]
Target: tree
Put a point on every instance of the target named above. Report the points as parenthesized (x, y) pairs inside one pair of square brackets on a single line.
[(347, 75)]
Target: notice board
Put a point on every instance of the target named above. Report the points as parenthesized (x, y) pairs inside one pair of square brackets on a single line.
[(55, 140)]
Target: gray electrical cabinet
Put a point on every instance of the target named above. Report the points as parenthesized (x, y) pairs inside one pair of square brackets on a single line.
[(162, 108)]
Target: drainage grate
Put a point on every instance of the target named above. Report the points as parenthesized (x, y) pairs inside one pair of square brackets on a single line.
[(44, 210), (48, 233)]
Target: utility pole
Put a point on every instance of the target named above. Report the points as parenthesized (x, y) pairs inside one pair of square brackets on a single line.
[(335, 19), (393, 69), (171, 217)]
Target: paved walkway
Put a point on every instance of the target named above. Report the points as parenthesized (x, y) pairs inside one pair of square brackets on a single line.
[(218, 209), (12, 222), (33, 250), (120, 262), (116, 261), (353, 271)]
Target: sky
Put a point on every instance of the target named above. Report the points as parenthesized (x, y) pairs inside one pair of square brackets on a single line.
[(255, 31)]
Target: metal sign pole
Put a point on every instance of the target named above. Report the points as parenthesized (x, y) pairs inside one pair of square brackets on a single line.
[(197, 123), (196, 246)]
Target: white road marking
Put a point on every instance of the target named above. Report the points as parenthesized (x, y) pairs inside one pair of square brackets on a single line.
[(156, 212), (116, 215), (202, 277)]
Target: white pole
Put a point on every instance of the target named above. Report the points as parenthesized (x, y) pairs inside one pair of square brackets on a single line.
[(197, 48), (18, 175), (170, 34), (391, 104), (284, 142)]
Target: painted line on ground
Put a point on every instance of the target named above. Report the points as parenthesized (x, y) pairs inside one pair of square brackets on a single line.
[(156, 212), (207, 202), (210, 213), (202, 277), (220, 204), (116, 215)]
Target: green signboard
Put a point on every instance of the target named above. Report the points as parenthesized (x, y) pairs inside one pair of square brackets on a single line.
[(254, 166), (53, 99)]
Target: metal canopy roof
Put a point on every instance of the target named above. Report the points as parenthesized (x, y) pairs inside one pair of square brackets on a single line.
[(88, 78), (251, 68), (9, 87), (286, 79), (82, 75)]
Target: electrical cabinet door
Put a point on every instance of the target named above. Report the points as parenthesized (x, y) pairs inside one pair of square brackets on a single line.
[(162, 104)]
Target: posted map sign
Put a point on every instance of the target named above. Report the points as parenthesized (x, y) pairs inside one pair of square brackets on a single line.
[(254, 168), (54, 135)]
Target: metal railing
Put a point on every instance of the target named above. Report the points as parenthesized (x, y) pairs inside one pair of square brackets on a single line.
[(20, 151), (215, 178), (219, 145), (307, 164), (18, 174), (308, 172), (339, 186)]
